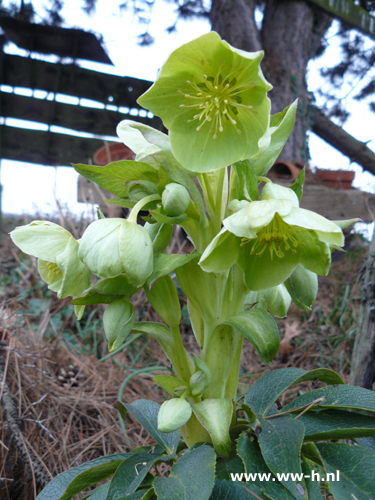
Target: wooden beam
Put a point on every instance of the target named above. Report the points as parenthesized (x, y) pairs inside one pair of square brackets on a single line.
[(72, 80), (351, 14), (80, 118), (356, 150), (45, 148)]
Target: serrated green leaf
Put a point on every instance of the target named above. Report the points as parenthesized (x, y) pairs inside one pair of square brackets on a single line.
[(166, 263), (313, 487), (192, 476), (357, 470), (283, 122), (367, 442), (114, 176), (264, 392), (131, 473), (121, 202), (167, 219), (89, 477), (336, 424), (99, 493), (254, 463), (247, 183), (280, 442), (259, 328), (106, 291), (146, 412), (59, 484), (342, 396), (163, 297), (297, 185), (227, 466), (232, 490), (216, 415), (160, 332)]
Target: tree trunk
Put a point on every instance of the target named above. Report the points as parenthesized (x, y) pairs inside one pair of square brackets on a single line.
[(290, 35)]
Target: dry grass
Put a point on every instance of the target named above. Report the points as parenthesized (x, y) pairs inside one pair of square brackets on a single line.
[(64, 425)]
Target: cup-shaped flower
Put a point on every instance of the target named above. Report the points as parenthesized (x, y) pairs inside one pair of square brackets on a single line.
[(173, 414), (213, 99), (57, 254), (118, 320), (110, 247), (269, 238)]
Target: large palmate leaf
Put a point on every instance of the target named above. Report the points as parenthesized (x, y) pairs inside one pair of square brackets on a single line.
[(342, 396), (264, 392), (254, 463), (57, 487), (336, 424), (192, 476)]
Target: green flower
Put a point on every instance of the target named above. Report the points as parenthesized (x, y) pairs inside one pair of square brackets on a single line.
[(269, 238), (212, 98), (173, 414), (110, 247), (57, 254)]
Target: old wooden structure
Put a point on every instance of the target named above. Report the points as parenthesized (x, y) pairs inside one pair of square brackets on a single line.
[(72, 132), (115, 97)]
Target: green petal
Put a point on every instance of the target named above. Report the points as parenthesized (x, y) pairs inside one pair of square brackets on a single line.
[(145, 141), (327, 231), (41, 239), (255, 215), (99, 248), (316, 255), (262, 271), (136, 252), (276, 192), (221, 253), (50, 274), (77, 276)]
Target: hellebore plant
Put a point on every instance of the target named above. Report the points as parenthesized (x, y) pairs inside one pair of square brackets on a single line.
[(252, 256)]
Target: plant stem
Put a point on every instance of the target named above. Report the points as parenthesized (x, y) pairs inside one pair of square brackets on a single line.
[(182, 361), (138, 206)]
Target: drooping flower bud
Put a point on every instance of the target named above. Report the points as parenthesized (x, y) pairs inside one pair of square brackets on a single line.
[(110, 247), (175, 199), (118, 320), (173, 414), (198, 383)]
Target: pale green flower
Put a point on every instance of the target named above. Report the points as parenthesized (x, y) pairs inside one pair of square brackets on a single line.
[(175, 199), (110, 247), (173, 414), (213, 99), (57, 254), (269, 238)]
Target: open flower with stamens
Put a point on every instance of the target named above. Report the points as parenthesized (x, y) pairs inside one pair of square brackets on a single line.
[(213, 99), (57, 253), (269, 238)]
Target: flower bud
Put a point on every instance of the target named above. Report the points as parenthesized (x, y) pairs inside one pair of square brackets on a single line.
[(118, 320), (198, 382), (110, 247), (173, 414), (175, 199)]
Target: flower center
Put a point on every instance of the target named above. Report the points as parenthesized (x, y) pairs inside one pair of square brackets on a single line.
[(216, 100), (278, 237), (52, 268)]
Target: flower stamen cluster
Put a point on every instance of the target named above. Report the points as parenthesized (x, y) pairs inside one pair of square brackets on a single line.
[(272, 237), (217, 99)]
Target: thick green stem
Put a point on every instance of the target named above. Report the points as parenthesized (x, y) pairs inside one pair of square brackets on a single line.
[(182, 362)]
